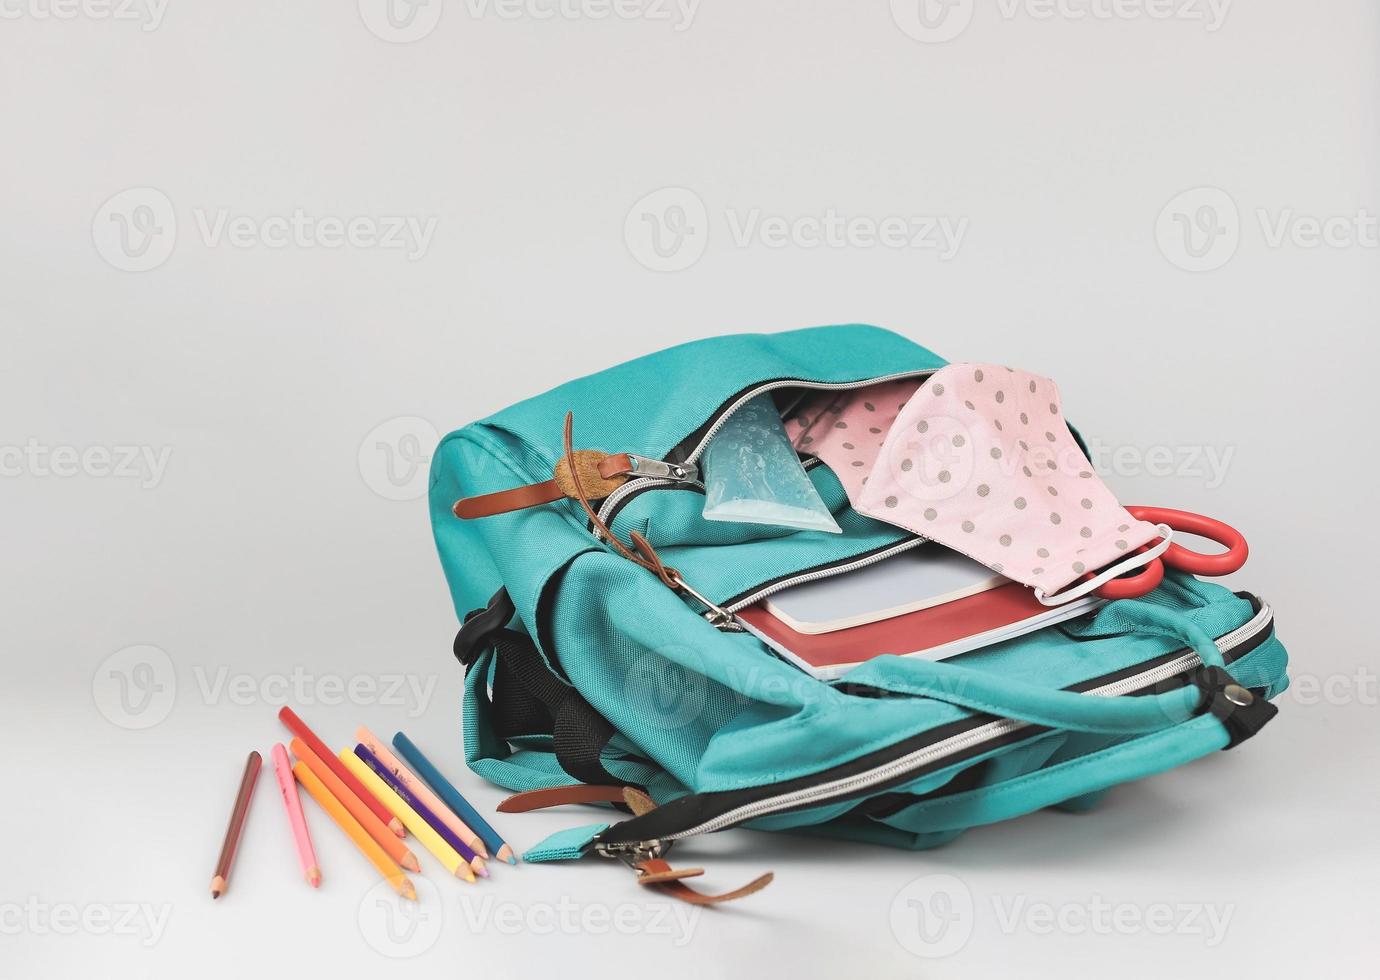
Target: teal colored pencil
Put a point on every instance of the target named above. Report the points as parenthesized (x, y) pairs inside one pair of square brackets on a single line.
[(422, 766)]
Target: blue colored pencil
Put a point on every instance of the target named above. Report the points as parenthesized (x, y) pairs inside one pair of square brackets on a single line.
[(422, 766), (475, 862)]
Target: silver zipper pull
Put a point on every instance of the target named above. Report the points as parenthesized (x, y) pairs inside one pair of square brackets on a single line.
[(717, 616), (634, 853), (662, 470)]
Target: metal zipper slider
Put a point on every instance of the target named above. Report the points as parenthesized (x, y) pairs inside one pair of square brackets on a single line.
[(717, 616), (662, 470), (634, 853)]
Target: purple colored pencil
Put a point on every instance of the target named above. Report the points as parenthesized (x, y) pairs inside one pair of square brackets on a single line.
[(423, 811)]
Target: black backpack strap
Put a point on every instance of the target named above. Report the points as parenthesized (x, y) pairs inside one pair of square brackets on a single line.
[(529, 699)]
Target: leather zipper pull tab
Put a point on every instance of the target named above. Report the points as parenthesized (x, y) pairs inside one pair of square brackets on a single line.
[(599, 473), (656, 873), (647, 859)]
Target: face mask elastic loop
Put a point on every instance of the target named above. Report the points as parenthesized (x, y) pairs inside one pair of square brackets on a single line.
[(1110, 572)]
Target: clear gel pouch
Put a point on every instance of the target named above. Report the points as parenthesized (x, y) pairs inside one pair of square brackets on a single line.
[(752, 475)]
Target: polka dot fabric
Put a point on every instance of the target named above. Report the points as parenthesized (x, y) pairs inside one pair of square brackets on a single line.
[(979, 459), (846, 429)]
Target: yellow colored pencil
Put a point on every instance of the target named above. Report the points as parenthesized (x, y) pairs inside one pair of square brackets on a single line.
[(419, 828), (424, 793), (377, 855)]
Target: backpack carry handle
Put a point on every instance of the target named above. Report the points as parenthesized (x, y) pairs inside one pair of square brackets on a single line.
[(1086, 712)]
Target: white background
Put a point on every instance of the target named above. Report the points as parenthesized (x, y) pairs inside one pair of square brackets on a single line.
[(280, 542)]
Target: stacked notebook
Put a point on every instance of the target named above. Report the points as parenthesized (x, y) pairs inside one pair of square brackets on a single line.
[(927, 602)]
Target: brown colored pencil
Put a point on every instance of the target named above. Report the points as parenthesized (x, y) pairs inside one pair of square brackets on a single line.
[(220, 881)]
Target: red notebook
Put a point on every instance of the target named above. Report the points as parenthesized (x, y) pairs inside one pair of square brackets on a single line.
[(935, 633)]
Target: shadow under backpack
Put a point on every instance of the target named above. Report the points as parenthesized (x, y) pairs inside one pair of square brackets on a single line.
[(588, 679)]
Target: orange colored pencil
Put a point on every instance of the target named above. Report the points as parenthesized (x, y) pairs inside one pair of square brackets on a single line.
[(376, 854), (372, 825), (299, 728)]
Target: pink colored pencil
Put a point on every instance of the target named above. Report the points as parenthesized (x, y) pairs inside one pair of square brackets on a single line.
[(287, 784), (421, 790)]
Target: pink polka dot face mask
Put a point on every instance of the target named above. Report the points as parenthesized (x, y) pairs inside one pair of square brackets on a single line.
[(980, 459)]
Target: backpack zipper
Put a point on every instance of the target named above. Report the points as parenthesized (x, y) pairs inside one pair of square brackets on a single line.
[(930, 756), (690, 471)]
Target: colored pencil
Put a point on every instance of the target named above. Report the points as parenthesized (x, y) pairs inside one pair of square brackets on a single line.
[(421, 790), (221, 879), (448, 856), (366, 844), (299, 728), (476, 862), (372, 825), (301, 837), (422, 766)]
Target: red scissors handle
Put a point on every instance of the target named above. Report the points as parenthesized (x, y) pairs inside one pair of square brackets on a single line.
[(1177, 556)]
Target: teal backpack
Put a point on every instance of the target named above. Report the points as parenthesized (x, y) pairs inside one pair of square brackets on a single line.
[(583, 667)]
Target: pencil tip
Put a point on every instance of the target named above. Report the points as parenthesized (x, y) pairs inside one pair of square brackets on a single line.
[(480, 869), (410, 862), (409, 891), (396, 826), (314, 877), (217, 886), (506, 853)]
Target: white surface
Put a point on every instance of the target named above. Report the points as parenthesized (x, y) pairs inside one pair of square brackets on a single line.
[(929, 575), (275, 546)]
